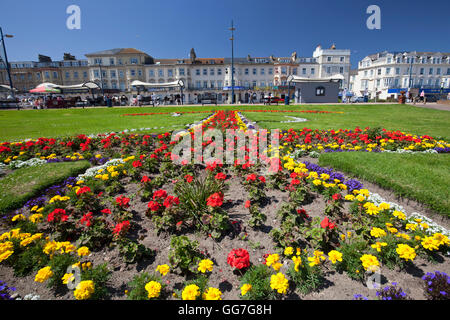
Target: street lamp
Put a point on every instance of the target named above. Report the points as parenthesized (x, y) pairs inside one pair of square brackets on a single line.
[(232, 61), (6, 59)]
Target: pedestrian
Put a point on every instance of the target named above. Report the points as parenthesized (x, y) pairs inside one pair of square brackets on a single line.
[(423, 97)]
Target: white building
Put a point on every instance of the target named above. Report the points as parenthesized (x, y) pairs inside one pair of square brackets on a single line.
[(389, 73)]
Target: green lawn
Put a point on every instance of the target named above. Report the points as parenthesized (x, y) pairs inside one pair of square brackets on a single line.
[(22, 184), (422, 177), (406, 118), (16, 125)]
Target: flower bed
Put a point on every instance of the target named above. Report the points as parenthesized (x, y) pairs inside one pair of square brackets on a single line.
[(213, 230)]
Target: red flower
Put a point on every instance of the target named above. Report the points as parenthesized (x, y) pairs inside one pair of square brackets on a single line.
[(251, 177), (153, 206), (160, 194), (238, 258), (295, 182), (262, 179), (57, 214), (215, 200), (337, 196), (145, 179), (86, 219), (327, 224), (247, 204), (107, 211), (221, 176), (170, 201), (121, 228), (137, 164), (123, 201), (83, 190), (189, 178)]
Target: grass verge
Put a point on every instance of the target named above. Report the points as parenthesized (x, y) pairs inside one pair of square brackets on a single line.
[(25, 183), (421, 177)]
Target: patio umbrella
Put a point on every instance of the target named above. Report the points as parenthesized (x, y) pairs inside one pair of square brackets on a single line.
[(46, 88)]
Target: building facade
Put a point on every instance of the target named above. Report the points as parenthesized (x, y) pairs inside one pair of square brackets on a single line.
[(384, 75), (115, 69)]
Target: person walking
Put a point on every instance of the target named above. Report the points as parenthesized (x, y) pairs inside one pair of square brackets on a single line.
[(423, 97)]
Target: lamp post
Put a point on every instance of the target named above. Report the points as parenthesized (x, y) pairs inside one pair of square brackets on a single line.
[(6, 60), (101, 78), (232, 62)]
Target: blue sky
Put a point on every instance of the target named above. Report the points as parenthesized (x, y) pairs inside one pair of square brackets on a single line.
[(170, 28)]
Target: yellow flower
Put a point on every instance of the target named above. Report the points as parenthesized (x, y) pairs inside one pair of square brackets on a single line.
[(411, 226), (153, 288), (43, 274), (84, 290), (288, 251), (441, 239), (5, 255), (66, 278), (205, 265), (403, 236), (399, 215), (35, 218), (190, 292), (279, 282), (245, 288), (406, 252), (83, 251), (378, 245), (317, 182), (384, 206), (18, 217), (334, 256), (163, 269), (316, 258), (360, 198), (212, 294), (297, 262), (430, 243), (392, 230), (370, 262), (350, 197), (377, 232)]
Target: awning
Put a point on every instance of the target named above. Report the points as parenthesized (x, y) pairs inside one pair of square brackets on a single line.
[(174, 84), (85, 85), (46, 87), (7, 87), (336, 77)]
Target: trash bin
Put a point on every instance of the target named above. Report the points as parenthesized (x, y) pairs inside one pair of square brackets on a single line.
[(366, 99), (286, 100)]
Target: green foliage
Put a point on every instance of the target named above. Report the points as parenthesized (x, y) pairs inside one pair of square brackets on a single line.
[(32, 258), (259, 278), (97, 235), (307, 278), (351, 254), (137, 286), (99, 275), (184, 254), (132, 251), (59, 264)]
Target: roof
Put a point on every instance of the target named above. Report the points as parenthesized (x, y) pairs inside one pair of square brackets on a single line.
[(116, 51)]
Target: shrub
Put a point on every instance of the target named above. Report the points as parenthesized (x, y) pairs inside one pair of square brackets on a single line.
[(437, 285), (259, 278), (99, 275), (184, 254)]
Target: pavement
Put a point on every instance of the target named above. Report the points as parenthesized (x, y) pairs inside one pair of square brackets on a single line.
[(432, 105)]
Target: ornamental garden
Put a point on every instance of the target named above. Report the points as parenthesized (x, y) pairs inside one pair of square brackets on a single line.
[(124, 215)]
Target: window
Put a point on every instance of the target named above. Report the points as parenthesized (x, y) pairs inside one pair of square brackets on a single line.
[(205, 84), (262, 71), (98, 61), (341, 59), (254, 84), (303, 70), (448, 71), (212, 84), (119, 61), (75, 74), (151, 73), (262, 84), (111, 61), (113, 73), (389, 60), (246, 71), (388, 70), (181, 71), (205, 72), (422, 70), (197, 72), (270, 70), (55, 75), (438, 71), (133, 60), (219, 72), (341, 69), (121, 74), (67, 75), (431, 71), (132, 72), (170, 73), (211, 72), (198, 84), (161, 72), (328, 69), (379, 72), (38, 76), (140, 73), (378, 82), (328, 59), (397, 70), (320, 91), (254, 71), (219, 84), (365, 73), (85, 74), (283, 70), (313, 70), (114, 85)]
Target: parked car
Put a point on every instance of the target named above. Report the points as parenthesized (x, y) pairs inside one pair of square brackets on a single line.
[(356, 99)]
